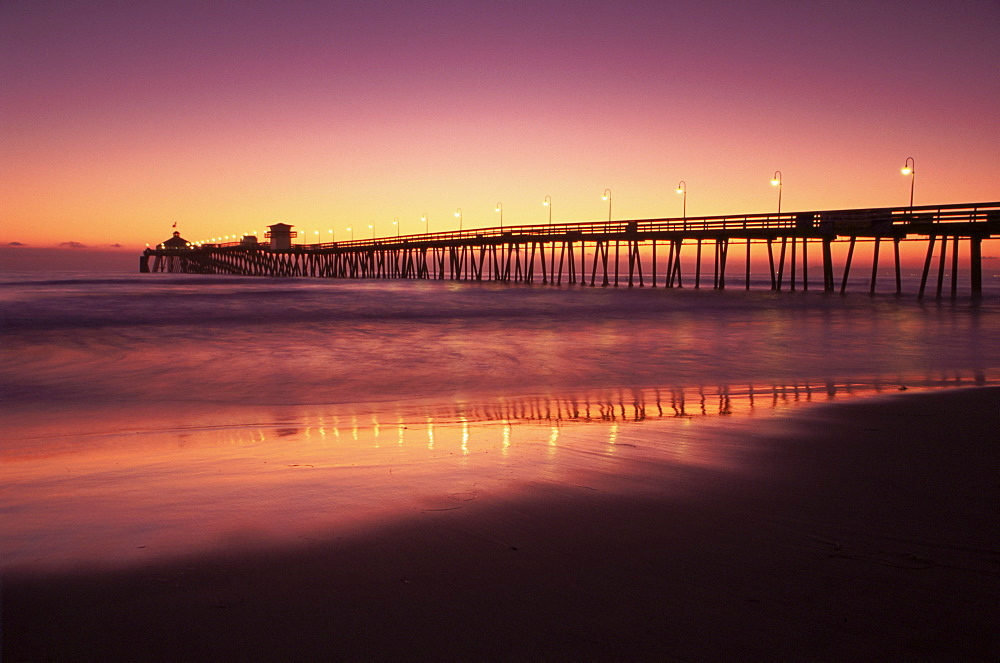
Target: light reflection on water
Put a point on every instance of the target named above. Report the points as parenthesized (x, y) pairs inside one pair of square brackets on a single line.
[(132, 492)]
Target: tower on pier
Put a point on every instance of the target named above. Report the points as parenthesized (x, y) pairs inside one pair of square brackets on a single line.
[(281, 235)]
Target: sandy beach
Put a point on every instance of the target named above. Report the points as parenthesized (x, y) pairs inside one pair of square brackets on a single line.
[(860, 530)]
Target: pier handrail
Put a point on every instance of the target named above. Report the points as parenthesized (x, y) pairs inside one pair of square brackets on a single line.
[(926, 216)]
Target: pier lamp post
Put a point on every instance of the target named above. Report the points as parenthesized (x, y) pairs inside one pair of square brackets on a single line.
[(547, 202), (908, 169), (458, 214), (776, 181), (395, 222), (350, 229), (372, 226), (331, 235), (427, 224), (317, 237), (499, 208), (682, 188), (607, 197)]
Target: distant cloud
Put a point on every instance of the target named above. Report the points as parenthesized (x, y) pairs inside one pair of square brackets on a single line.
[(115, 246), (15, 244), (73, 245)]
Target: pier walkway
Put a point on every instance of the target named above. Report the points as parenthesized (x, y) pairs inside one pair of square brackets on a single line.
[(670, 252)]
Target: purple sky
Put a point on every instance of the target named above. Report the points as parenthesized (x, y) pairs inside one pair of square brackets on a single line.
[(120, 118)]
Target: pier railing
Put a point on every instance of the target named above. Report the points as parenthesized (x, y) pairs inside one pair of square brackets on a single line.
[(846, 222)]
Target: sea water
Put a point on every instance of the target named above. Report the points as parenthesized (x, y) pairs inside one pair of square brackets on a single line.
[(164, 414)]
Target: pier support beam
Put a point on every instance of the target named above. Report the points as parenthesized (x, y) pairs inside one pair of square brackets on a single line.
[(976, 265), (827, 265), (874, 266), (927, 266)]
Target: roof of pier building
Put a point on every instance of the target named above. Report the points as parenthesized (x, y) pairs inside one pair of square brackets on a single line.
[(282, 230), (175, 242)]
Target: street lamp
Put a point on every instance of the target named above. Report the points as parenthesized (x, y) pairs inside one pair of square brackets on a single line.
[(776, 181), (372, 226), (331, 235), (458, 213), (317, 237), (395, 222), (499, 208), (607, 197), (351, 229), (547, 202), (908, 169), (683, 190), (427, 224)]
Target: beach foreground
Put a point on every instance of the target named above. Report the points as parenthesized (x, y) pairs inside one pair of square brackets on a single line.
[(858, 530)]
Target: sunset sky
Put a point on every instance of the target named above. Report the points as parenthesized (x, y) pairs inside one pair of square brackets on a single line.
[(121, 118)]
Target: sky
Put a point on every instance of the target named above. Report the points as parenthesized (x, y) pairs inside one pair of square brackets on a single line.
[(119, 119)]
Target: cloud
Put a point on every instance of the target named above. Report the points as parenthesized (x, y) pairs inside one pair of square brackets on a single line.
[(73, 245), (15, 244), (115, 245)]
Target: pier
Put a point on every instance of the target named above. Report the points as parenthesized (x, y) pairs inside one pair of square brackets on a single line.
[(669, 252)]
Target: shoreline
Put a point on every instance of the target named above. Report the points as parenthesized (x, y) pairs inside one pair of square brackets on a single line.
[(862, 529)]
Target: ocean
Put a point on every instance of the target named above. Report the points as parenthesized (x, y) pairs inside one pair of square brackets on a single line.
[(161, 415)]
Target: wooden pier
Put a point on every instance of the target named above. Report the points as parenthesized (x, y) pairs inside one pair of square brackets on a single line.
[(642, 252)]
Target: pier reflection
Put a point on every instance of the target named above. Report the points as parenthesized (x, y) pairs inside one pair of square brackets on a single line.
[(638, 405), (468, 425), (465, 426)]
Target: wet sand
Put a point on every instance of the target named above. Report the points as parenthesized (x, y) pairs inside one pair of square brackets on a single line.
[(858, 530)]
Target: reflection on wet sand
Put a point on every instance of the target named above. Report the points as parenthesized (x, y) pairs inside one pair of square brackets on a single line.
[(102, 498), (618, 405)]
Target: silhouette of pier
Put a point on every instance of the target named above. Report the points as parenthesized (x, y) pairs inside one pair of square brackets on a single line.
[(669, 252)]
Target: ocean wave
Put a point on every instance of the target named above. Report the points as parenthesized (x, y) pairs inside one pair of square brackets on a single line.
[(235, 301)]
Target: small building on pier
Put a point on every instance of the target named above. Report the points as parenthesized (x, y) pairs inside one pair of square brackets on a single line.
[(281, 235)]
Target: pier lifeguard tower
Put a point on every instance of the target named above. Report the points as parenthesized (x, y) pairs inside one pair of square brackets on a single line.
[(281, 235)]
